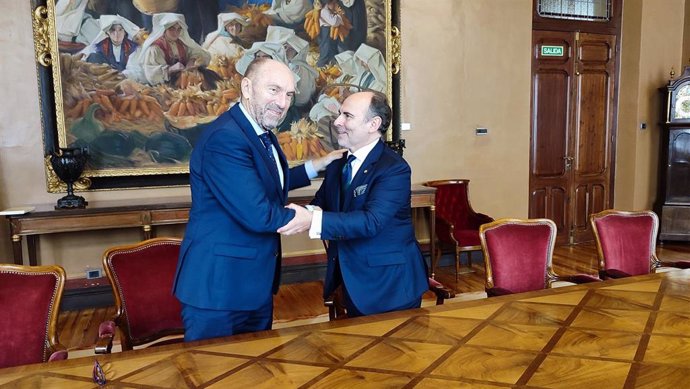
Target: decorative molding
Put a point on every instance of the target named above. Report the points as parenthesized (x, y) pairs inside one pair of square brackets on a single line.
[(396, 60), (41, 36), (397, 146)]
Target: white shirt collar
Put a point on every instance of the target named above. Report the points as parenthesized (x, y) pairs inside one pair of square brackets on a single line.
[(362, 152), (260, 131)]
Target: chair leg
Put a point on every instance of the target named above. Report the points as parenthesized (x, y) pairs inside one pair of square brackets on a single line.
[(437, 260), (457, 264)]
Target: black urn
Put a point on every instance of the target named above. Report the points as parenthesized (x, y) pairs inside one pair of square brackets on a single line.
[(68, 164)]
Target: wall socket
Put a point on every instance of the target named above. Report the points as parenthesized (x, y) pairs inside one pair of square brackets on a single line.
[(481, 131), (92, 273)]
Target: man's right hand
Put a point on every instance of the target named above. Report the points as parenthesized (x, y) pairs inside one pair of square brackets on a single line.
[(300, 223)]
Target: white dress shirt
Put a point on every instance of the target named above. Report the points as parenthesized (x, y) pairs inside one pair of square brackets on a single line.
[(317, 217)]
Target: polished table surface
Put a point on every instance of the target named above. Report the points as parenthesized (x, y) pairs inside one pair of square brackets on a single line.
[(626, 333)]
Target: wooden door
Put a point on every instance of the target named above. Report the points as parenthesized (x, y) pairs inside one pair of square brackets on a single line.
[(571, 154)]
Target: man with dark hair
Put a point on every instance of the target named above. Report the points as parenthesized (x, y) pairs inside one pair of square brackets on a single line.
[(363, 210), (230, 257)]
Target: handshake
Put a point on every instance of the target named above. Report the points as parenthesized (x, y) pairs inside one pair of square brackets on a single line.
[(300, 223)]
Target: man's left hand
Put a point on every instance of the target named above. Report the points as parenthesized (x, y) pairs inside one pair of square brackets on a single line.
[(300, 223)]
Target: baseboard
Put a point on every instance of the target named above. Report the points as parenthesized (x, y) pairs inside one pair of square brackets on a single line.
[(87, 297), (81, 293), (303, 273)]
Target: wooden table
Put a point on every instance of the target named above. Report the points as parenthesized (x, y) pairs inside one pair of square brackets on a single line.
[(628, 333), (146, 214)]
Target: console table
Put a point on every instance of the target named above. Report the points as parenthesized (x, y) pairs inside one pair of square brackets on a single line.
[(146, 214)]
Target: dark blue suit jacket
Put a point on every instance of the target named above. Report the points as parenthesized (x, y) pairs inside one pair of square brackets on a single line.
[(230, 255), (373, 236)]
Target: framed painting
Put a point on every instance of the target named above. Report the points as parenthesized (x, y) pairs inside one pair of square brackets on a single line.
[(134, 82)]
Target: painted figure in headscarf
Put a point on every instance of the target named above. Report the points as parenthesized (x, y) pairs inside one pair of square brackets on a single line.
[(113, 45), (73, 23), (289, 13), (296, 50), (169, 49), (371, 69), (225, 41), (261, 49)]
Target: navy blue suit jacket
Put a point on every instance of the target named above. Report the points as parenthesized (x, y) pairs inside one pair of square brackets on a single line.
[(372, 236), (230, 256)]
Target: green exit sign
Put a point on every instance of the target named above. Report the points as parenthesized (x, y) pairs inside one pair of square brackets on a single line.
[(551, 51)]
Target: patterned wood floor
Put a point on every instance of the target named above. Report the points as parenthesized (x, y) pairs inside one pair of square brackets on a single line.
[(78, 329)]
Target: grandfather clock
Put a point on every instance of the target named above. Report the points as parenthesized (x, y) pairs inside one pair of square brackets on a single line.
[(674, 169)]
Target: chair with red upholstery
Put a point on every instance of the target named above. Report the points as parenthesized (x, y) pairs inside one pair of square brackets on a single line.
[(29, 305), (457, 224), (626, 243), (518, 254), (141, 276)]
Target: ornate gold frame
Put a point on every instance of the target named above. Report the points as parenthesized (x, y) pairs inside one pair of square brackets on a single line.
[(53, 109)]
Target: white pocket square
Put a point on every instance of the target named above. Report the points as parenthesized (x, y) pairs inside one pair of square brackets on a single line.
[(360, 190)]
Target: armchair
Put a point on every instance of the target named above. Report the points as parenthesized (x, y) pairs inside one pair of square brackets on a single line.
[(626, 243), (457, 224), (336, 304), (518, 254), (141, 276), (30, 299)]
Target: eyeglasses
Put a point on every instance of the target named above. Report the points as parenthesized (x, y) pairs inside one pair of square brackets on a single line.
[(98, 373)]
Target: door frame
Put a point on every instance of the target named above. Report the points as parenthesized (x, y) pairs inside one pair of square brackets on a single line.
[(611, 27)]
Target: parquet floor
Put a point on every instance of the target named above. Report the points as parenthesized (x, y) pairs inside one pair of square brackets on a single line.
[(78, 330)]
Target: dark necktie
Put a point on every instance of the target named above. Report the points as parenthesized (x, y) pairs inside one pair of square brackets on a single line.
[(266, 140), (346, 177)]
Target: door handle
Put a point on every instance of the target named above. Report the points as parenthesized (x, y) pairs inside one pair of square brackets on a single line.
[(568, 162)]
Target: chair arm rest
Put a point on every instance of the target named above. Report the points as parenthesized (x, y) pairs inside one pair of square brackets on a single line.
[(483, 219), (444, 228), (678, 264), (331, 308), (613, 273), (106, 334), (336, 306), (442, 293), (578, 278), (440, 219), (493, 292)]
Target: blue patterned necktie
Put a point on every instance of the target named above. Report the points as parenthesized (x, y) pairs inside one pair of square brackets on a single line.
[(346, 177), (266, 140)]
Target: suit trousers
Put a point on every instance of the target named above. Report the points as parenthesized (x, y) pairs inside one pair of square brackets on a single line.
[(200, 323)]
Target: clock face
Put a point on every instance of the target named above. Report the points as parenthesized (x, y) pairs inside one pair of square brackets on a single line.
[(682, 104)]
